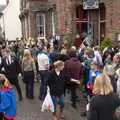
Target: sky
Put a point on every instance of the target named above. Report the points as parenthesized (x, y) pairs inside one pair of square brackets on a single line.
[(2, 2)]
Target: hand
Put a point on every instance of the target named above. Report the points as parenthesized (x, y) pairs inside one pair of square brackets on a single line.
[(88, 107), (75, 81)]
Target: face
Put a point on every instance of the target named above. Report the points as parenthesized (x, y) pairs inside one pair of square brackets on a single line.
[(60, 68), (116, 59), (93, 66), (6, 84)]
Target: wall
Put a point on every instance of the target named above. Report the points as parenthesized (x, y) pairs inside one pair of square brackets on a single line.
[(12, 22)]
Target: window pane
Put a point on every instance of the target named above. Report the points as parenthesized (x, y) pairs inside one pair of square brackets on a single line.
[(41, 18), (40, 31), (40, 24)]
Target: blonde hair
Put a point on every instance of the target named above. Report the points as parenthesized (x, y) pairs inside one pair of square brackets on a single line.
[(27, 55), (63, 51), (102, 85), (3, 81)]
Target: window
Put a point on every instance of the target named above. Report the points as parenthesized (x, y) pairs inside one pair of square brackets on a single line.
[(40, 24)]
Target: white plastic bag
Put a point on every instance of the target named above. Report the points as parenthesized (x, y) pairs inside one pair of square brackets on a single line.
[(48, 105)]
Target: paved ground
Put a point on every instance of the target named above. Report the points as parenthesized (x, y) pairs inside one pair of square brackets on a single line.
[(31, 109)]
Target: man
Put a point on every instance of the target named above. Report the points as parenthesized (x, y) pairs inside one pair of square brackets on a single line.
[(43, 66), (73, 68), (11, 69)]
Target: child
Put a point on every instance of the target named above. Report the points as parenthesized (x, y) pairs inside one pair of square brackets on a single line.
[(94, 72), (7, 99)]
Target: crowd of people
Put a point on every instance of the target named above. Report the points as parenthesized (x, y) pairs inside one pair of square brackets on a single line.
[(61, 67)]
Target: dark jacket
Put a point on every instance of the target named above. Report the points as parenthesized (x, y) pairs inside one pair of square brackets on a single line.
[(73, 68), (57, 83), (11, 69), (102, 107)]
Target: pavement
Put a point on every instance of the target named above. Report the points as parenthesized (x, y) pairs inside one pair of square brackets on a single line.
[(31, 109)]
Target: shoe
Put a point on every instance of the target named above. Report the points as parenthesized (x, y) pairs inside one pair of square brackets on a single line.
[(54, 117), (62, 115), (40, 98), (74, 106), (83, 114), (21, 98)]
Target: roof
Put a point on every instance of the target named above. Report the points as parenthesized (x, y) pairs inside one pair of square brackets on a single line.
[(2, 7)]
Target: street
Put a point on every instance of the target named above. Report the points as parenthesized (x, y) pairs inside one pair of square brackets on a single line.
[(31, 109)]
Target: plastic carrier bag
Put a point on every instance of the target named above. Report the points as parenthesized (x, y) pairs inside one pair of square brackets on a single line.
[(47, 105)]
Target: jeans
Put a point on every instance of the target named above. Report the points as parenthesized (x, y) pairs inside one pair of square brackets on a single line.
[(58, 100)]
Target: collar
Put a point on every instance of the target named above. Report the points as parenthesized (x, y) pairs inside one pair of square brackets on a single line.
[(5, 89)]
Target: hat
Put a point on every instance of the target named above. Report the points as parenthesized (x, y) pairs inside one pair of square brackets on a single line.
[(109, 70)]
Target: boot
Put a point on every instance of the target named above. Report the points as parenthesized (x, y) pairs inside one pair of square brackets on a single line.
[(54, 116), (61, 113)]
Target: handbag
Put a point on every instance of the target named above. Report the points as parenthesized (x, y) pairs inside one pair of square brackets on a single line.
[(47, 105)]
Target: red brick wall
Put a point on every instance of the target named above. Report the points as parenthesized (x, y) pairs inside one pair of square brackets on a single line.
[(66, 14), (112, 17)]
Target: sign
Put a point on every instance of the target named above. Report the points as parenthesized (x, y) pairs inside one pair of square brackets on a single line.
[(90, 4)]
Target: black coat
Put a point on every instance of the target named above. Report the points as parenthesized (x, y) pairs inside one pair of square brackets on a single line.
[(102, 107), (57, 83), (11, 69)]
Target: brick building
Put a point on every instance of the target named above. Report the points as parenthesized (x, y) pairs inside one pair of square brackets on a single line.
[(46, 18)]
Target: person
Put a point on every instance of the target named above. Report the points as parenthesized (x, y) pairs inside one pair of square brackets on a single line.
[(116, 61), (8, 104), (29, 73), (73, 68), (98, 56), (110, 71), (94, 72), (43, 66), (12, 68), (105, 101), (56, 82)]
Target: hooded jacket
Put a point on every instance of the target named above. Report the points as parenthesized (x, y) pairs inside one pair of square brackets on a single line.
[(8, 103)]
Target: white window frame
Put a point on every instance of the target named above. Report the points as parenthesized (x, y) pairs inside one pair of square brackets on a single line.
[(38, 25)]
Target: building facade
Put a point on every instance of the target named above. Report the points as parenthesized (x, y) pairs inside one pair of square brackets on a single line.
[(47, 18), (10, 22)]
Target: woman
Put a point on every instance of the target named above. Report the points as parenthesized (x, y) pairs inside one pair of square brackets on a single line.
[(105, 102), (110, 71), (29, 73), (56, 81)]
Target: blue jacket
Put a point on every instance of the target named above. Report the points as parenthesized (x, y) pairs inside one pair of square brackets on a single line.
[(96, 72), (8, 102)]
